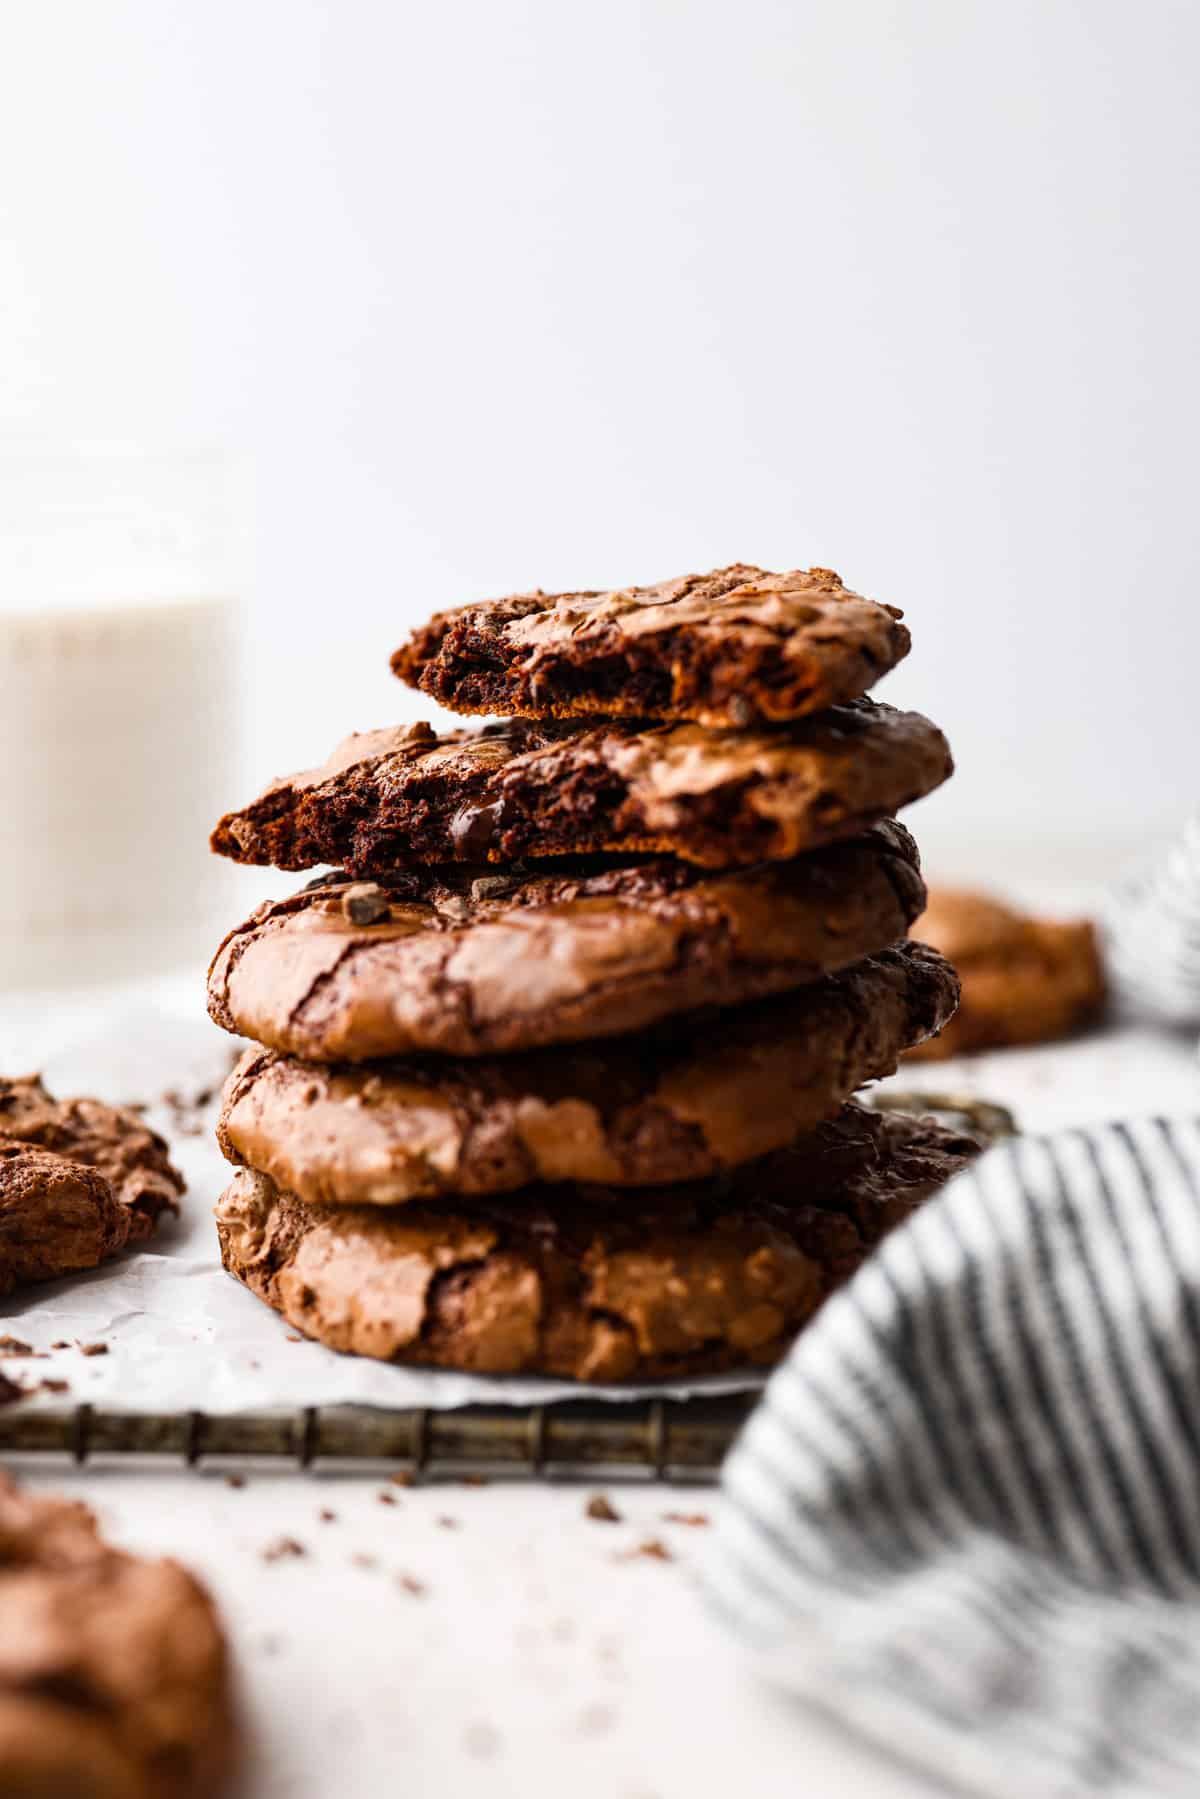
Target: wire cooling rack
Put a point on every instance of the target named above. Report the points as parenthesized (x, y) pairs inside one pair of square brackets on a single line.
[(672, 1439)]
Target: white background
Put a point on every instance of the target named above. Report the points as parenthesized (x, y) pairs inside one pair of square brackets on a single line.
[(517, 292)]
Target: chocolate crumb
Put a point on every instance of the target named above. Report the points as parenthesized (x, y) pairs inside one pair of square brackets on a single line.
[(282, 1548), (15, 1346), (411, 1584), (60, 1345), (694, 1519), (653, 1549), (235, 1480), (55, 1386), (601, 1508), (386, 1498), (93, 1349), (364, 903), (291, 1337), (326, 1516)]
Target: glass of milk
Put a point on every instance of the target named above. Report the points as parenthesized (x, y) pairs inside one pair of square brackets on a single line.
[(119, 707)]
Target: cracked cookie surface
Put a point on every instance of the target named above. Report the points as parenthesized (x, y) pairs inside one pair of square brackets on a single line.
[(738, 646), (525, 788), (466, 963), (695, 1095), (111, 1139), (79, 1182), (588, 1283)]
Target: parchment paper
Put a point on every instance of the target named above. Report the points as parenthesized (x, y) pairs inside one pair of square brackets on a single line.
[(180, 1333)]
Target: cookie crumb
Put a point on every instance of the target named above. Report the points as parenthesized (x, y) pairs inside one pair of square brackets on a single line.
[(235, 1480), (411, 1584), (694, 1519), (60, 1345), (282, 1548), (602, 1509), (90, 1349), (386, 1498), (55, 1386), (447, 1523), (653, 1549), (359, 1560), (326, 1516), (291, 1337)]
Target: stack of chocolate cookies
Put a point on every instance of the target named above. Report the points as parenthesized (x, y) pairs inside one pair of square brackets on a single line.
[(556, 1071)]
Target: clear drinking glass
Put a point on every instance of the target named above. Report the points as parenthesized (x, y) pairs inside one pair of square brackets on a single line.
[(119, 705)]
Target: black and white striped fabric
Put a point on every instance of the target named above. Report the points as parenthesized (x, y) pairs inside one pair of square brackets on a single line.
[(1151, 935), (965, 1518)]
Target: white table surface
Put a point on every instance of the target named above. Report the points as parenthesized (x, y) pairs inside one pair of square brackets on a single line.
[(537, 1661)]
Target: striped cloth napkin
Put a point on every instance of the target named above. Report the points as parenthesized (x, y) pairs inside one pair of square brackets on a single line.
[(965, 1518), (1151, 934)]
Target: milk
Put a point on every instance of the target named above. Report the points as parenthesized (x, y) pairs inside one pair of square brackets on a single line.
[(118, 719)]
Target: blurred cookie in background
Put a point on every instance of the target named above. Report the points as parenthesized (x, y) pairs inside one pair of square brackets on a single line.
[(115, 1678), (1024, 979)]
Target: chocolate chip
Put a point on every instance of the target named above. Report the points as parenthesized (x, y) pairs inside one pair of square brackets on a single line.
[(473, 828), (364, 903)]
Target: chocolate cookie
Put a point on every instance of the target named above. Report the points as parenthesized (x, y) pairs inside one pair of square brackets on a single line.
[(387, 799), (451, 961), (585, 1283), (739, 646), (56, 1217), (114, 1680), (1024, 979), (110, 1139), (696, 1094)]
